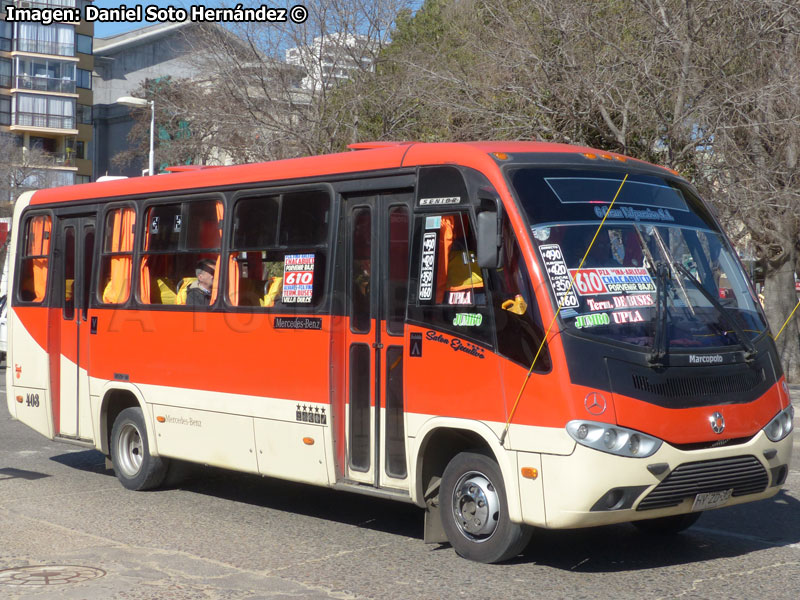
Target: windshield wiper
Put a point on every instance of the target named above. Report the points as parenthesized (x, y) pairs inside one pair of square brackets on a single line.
[(662, 276), (659, 352), (750, 349)]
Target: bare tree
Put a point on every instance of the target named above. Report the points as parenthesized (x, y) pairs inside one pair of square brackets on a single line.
[(707, 88), (270, 91), (754, 117), (22, 169)]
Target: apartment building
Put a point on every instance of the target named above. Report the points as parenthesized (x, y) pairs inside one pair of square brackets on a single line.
[(46, 95)]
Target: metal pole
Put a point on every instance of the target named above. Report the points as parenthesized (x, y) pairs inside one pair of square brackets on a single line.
[(152, 132)]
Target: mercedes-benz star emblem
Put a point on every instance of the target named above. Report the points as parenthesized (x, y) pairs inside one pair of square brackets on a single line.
[(717, 422), (595, 403)]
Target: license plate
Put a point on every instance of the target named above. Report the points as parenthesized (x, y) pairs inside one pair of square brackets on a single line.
[(711, 499)]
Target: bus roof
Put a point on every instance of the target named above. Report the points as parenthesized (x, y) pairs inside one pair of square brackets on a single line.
[(366, 156)]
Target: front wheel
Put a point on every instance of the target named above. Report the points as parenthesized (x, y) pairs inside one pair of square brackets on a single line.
[(474, 510), (134, 466), (668, 525)]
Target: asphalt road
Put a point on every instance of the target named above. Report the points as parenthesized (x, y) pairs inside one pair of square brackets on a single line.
[(68, 530)]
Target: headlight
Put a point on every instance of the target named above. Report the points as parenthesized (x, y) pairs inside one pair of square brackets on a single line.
[(781, 425), (613, 439)]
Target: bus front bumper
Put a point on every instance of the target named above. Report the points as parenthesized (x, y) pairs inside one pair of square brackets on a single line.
[(590, 487)]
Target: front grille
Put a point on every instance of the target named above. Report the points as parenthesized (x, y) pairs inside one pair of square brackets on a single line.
[(742, 473), (713, 385)]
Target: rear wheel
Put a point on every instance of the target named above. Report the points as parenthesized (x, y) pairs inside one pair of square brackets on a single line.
[(134, 466), (668, 525), (474, 510)]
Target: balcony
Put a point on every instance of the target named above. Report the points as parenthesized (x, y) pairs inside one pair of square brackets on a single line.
[(24, 119), (41, 47), (45, 84), (58, 159), (5, 81)]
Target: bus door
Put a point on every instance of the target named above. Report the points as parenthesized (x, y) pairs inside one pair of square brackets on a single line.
[(378, 232), (77, 243)]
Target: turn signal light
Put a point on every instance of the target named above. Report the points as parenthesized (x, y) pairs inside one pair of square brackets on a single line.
[(19, 399), (529, 472), (500, 155), (308, 441), (161, 419)]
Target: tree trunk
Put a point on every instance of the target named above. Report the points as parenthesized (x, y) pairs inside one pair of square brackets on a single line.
[(779, 301)]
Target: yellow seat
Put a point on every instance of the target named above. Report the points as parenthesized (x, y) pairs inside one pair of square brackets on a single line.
[(461, 275), (166, 290), (275, 287), (183, 289)]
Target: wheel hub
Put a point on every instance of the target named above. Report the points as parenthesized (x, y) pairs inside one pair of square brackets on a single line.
[(476, 506), (130, 450)]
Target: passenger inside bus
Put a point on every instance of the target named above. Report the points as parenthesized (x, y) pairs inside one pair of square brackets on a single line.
[(198, 292)]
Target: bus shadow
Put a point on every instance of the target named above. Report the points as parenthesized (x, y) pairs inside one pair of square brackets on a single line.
[(91, 461), (724, 533), (378, 514), (353, 509)]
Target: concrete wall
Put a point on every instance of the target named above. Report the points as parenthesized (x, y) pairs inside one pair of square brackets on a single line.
[(119, 72)]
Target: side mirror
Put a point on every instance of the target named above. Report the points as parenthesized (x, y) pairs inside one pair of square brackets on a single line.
[(488, 240)]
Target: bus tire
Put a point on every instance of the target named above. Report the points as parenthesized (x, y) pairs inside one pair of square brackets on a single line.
[(474, 512), (133, 464), (668, 525)]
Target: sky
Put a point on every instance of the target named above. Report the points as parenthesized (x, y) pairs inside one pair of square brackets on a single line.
[(108, 29)]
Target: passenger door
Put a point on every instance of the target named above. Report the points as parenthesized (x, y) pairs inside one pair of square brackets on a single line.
[(376, 282), (73, 415)]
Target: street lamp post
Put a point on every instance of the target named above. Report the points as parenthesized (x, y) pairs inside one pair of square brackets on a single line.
[(139, 103)]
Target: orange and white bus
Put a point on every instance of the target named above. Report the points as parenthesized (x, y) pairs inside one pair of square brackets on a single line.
[(505, 334)]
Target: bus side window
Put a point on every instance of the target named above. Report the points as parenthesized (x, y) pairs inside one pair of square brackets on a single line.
[(179, 236), (35, 259), (278, 250), (448, 290), (517, 320), (117, 256)]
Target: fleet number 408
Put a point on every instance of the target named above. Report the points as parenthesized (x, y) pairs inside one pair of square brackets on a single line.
[(32, 400)]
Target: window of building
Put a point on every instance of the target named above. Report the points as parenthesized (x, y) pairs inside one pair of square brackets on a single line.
[(5, 35), (5, 72), (47, 178), (84, 114), (35, 259), (83, 178), (80, 149), (58, 38), (84, 79), (181, 237), (42, 144), (279, 250), (117, 256), (5, 110), (84, 43), (45, 111), (45, 75)]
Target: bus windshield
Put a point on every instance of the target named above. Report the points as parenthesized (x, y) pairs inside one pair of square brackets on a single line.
[(658, 274)]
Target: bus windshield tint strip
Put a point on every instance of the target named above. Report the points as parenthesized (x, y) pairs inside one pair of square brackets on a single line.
[(596, 190)]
